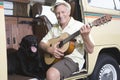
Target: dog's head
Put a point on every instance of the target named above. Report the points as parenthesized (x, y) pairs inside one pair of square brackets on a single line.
[(29, 45)]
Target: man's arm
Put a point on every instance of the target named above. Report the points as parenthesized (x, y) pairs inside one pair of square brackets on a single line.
[(43, 46), (85, 32)]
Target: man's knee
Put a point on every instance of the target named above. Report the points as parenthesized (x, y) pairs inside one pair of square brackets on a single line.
[(53, 74)]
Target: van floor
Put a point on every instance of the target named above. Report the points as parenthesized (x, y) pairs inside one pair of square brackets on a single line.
[(18, 77)]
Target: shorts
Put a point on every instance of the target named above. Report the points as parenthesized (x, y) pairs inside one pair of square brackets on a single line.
[(66, 67)]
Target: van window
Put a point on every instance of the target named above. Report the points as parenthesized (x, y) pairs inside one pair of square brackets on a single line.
[(117, 2), (109, 4)]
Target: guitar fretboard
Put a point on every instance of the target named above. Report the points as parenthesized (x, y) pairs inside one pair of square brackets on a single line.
[(96, 22), (69, 38)]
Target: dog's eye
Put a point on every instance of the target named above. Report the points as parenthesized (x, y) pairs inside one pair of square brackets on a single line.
[(35, 44)]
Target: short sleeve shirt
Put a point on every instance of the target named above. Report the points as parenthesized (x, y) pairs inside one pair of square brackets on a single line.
[(72, 27)]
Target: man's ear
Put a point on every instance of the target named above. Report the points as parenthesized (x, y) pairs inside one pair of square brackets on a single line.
[(69, 12)]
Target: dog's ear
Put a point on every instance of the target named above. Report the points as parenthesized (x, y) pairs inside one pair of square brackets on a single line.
[(24, 42)]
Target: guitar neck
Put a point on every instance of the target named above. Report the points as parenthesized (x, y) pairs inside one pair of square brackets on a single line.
[(96, 22), (69, 38)]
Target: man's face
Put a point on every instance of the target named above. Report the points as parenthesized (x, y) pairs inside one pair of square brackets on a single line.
[(62, 14)]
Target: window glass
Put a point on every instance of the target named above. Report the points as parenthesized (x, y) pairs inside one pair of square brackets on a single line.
[(117, 2), (109, 4)]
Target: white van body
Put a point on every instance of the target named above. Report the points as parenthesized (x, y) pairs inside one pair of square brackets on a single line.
[(3, 60)]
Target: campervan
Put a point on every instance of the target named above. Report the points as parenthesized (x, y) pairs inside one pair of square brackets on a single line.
[(102, 64)]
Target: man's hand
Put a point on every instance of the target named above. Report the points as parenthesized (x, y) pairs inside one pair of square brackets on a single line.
[(55, 51), (85, 30)]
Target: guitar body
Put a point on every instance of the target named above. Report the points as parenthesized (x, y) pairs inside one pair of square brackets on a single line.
[(67, 48)]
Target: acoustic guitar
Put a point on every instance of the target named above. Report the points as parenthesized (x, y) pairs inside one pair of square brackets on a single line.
[(67, 41)]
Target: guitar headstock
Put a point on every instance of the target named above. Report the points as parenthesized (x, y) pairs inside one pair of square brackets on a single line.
[(102, 20)]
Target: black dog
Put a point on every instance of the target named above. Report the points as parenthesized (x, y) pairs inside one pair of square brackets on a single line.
[(27, 60)]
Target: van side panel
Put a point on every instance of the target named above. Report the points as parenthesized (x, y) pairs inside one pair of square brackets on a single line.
[(3, 60), (104, 36)]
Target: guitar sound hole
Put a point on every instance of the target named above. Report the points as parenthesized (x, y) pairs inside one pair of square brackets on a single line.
[(51, 56), (50, 45)]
